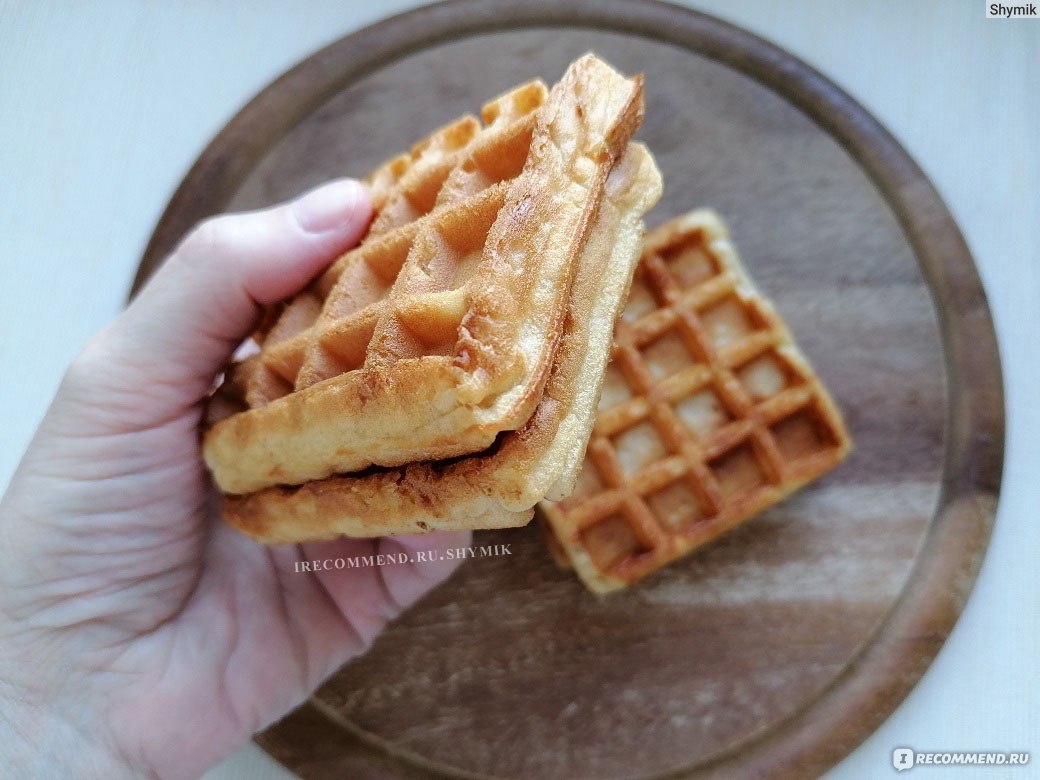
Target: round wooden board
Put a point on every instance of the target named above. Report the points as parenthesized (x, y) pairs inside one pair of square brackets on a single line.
[(778, 649)]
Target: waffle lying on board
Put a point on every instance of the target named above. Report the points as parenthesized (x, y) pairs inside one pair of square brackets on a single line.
[(436, 337), (708, 414)]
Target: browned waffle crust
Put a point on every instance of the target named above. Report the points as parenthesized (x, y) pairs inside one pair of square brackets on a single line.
[(499, 487), (438, 332), (709, 413)]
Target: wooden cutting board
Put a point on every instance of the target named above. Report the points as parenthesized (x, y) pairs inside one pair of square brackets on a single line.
[(781, 647)]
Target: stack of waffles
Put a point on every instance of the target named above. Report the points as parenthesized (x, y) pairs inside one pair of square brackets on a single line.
[(445, 373), (709, 414)]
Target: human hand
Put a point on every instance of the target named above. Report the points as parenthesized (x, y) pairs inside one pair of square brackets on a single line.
[(139, 635)]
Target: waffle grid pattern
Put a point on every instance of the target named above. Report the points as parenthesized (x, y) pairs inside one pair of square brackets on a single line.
[(435, 207), (709, 414)]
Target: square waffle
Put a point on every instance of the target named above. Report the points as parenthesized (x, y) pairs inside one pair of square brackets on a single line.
[(709, 413), (500, 486), (439, 330)]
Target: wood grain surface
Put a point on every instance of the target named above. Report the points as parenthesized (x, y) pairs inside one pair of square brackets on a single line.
[(779, 648)]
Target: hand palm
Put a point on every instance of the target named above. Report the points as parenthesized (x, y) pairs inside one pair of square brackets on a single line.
[(158, 612)]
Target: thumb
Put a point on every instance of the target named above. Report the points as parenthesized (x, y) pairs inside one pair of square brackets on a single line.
[(205, 298)]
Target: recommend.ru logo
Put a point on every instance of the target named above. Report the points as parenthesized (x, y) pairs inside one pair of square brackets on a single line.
[(904, 758)]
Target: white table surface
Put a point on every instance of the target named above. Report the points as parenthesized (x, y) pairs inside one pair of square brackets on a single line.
[(104, 105)]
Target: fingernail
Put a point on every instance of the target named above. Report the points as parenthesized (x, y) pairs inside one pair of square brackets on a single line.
[(329, 207)]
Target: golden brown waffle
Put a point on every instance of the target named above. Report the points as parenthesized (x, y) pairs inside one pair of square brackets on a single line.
[(499, 487), (438, 332), (708, 414)]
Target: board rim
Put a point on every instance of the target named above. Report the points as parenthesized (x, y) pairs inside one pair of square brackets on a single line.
[(912, 632)]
